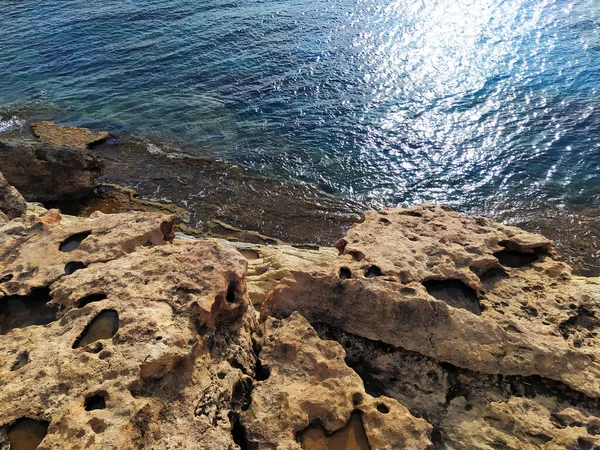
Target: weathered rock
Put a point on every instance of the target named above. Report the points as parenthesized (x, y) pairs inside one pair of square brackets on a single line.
[(45, 172), (452, 332), (462, 291), (141, 350), (303, 381), (12, 204), (272, 266), (54, 133)]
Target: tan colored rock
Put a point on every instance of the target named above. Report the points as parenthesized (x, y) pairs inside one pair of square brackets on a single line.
[(462, 290), (304, 380), (272, 266), (39, 250), (54, 133), (171, 321), (12, 204)]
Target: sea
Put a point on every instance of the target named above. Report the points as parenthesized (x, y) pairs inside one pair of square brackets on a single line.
[(489, 106)]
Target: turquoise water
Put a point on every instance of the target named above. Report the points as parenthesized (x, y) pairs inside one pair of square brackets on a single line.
[(468, 102)]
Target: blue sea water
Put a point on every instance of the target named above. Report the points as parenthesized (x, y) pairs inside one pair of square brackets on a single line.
[(467, 102)]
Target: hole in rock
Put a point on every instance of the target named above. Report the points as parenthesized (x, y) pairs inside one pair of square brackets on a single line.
[(410, 213), (91, 299), (27, 434), (345, 273), (384, 221), (166, 228), (492, 275), (455, 293), (351, 437), (509, 258), (103, 326), (73, 242), (357, 398), (23, 311), (383, 409), (6, 278), (261, 373), (96, 401), (249, 253), (239, 434), (408, 292), (73, 266), (585, 319), (372, 272), (585, 443), (22, 359), (241, 395), (356, 255), (230, 297)]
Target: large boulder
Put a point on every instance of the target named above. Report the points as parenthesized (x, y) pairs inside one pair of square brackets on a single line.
[(45, 172), (12, 203)]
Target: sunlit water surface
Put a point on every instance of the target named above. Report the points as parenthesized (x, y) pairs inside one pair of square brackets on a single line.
[(470, 102)]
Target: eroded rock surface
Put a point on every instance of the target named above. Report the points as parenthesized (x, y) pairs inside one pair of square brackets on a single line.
[(12, 203), (54, 133), (44, 172), (148, 340), (461, 296), (423, 329)]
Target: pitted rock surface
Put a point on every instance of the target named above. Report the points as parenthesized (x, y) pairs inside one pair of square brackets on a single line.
[(181, 337), (462, 290), (307, 381)]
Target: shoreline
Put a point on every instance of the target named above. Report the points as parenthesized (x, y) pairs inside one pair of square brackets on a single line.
[(203, 192)]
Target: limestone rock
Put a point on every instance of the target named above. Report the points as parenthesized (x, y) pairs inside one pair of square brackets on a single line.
[(465, 291), (272, 266), (12, 204), (303, 381), (54, 133), (45, 172), (141, 348), (38, 250)]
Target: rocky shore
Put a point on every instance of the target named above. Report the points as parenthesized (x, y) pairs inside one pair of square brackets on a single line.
[(421, 329)]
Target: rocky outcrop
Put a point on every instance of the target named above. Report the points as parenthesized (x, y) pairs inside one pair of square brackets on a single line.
[(423, 329), (444, 309), (12, 203), (44, 172), (113, 337), (56, 134)]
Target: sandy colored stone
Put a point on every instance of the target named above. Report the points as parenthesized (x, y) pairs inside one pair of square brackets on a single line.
[(30, 248), (307, 381), (167, 375), (79, 137), (529, 320), (12, 203), (274, 265), (44, 172)]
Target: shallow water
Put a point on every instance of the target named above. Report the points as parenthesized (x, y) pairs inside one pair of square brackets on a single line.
[(465, 102)]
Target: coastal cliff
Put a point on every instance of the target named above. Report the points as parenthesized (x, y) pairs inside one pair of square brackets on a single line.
[(422, 328)]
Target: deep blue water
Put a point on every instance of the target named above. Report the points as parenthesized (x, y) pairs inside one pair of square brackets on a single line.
[(468, 102)]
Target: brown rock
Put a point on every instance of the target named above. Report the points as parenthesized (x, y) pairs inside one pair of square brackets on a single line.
[(46, 173), (141, 348), (54, 133), (12, 204), (465, 291), (304, 381)]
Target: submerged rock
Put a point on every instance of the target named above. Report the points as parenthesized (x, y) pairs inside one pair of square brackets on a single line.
[(12, 203), (54, 133), (45, 172)]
